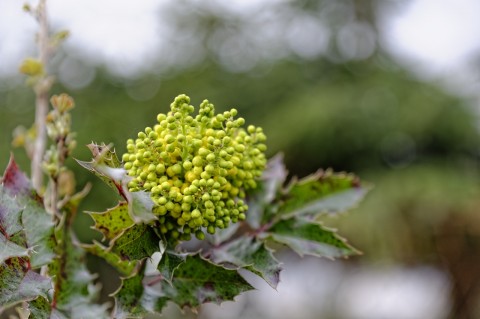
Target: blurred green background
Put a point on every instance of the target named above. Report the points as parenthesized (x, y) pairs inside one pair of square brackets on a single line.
[(351, 107)]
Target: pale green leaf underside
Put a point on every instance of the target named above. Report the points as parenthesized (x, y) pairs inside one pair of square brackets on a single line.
[(169, 263), (9, 249), (248, 253)]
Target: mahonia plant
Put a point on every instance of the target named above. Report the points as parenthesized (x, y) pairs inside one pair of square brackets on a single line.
[(196, 169), (205, 175)]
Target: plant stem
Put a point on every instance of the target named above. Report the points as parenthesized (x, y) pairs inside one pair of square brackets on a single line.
[(41, 101)]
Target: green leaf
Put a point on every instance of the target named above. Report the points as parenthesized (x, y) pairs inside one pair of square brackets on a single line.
[(16, 182), (169, 263), (310, 238), (128, 298), (40, 308), (9, 249), (10, 215), (26, 239), (269, 186), (23, 219), (124, 267), (12, 238), (136, 243), (19, 283), (251, 254), (110, 176), (39, 229), (107, 167), (323, 192), (112, 222), (197, 281)]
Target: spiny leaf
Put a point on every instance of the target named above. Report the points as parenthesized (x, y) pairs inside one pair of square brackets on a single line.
[(124, 267), (136, 243), (9, 249), (322, 192), (271, 181), (26, 242), (169, 263), (310, 238), (105, 174), (248, 253), (103, 154), (195, 281), (106, 166), (19, 283), (23, 219), (10, 215), (15, 181), (112, 222), (39, 233), (128, 298)]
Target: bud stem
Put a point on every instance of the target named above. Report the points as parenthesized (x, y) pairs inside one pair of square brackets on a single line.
[(41, 101)]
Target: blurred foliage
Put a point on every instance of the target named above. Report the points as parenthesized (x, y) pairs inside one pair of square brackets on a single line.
[(416, 143)]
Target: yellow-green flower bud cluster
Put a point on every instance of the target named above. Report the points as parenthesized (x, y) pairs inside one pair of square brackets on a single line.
[(196, 169)]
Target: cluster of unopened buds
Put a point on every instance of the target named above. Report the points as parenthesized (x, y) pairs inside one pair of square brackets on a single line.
[(196, 168), (58, 123)]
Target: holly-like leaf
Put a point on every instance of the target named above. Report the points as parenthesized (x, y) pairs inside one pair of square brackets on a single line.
[(104, 154), (106, 174), (270, 183), (23, 219), (251, 254), (9, 249), (19, 283), (38, 227), (15, 181), (107, 167), (12, 238), (169, 263), (323, 192), (10, 215), (136, 243), (123, 266), (310, 238), (26, 239), (197, 281), (129, 297), (112, 222)]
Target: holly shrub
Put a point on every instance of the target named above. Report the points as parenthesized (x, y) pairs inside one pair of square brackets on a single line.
[(204, 174)]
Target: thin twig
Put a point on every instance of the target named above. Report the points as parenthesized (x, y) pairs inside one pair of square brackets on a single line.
[(41, 101)]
